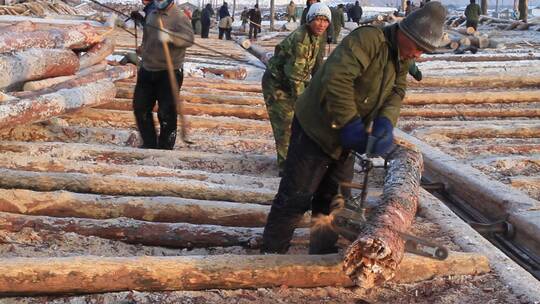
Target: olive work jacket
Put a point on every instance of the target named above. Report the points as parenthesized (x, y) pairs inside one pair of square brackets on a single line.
[(363, 77)]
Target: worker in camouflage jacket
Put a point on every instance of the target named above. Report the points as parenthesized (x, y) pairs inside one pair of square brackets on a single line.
[(288, 73), (362, 82)]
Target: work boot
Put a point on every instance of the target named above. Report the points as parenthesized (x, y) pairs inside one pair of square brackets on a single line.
[(322, 238)]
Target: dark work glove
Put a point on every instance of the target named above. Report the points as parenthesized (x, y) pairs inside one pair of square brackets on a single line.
[(137, 17), (383, 134), (417, 75), (329, 39), (353, 136)]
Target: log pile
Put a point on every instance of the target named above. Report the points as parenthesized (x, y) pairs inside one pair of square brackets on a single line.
[(39, 8), (60, 69)]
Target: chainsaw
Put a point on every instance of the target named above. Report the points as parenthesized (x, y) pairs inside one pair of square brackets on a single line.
[(349, 215)]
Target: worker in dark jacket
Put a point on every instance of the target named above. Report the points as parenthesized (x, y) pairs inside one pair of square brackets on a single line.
[(206, 20), (255, 20), (224, 11), (472, 13), (153, 83), (356, 12), (288, 74), (362, 81)]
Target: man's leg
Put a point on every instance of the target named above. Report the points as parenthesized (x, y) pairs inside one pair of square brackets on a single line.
[(322, 237), (220, 33), (228, 33), (144, 100), (305, 167), (167, 111), (250, 35)]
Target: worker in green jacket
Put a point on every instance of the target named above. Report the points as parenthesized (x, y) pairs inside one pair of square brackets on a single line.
[(363, 81), (288, 73), (472, 13)]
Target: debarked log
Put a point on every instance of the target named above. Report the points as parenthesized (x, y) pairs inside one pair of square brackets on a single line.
[(113, 74), (136, 186), (472, 97), (487, 57), (500, 81), (91, 274), (152, 209), (464, 111), (23, 111), (174, 235), (78, 37), (36, 64), (378, 250)]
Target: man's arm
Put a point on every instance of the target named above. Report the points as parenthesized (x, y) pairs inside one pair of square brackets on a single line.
[(392, 105)]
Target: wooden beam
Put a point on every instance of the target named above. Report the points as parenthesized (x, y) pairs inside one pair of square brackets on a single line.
[(91, 274), (97, 53), (152, 209)]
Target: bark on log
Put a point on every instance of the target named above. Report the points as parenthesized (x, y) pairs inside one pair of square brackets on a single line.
[(79, 37), (36, 64), (490, 57), (49, 82), (43, 107), (111, 75), (173, 235), (229, 85), (249, 112), (375, 255), (473, 97), (97, 53), (152, 209), (90, 274), (136, 186), (470, 112), (514, 131), (501, 81), (481, 42), (227, 73), (498, 149)]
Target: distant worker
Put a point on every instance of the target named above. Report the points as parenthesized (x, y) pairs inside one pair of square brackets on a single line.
[(357, 12), (291, 12), (224, 11), (225, 27), (196, 21), (255, 20), (305, 11), (288, 74), (472, 13), (206, 20), (153, 83), (338, 22), (408, 8), (245, 19)]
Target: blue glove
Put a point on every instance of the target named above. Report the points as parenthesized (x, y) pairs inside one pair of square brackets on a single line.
[(353, 136), (384, 135)]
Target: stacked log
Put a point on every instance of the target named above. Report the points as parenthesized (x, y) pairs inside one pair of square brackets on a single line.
[(55, 78)]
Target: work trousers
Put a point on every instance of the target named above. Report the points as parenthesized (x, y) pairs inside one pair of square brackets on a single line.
[(205, 30), (472, 23), (253, 31), (151, 87), (226, 31), (310, 180)]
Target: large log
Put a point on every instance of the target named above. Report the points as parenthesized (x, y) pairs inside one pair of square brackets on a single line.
[(500, 81), (250, 112), (467, 111), (90, 274), (174, 235), (378, 250), (136, 186), (472, 97), (36, 64), (111, 75), (29, 110), (477, 57), (79, 37), (153, 209), (49, 82), (259, 165), (97, 53)]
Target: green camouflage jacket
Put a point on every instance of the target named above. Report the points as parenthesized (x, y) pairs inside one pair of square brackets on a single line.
[(294, 59), (473, 11), (363, 77)]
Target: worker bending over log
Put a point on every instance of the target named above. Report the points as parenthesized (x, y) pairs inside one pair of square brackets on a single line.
[(363, 81), (153, 83), (289, 71)]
